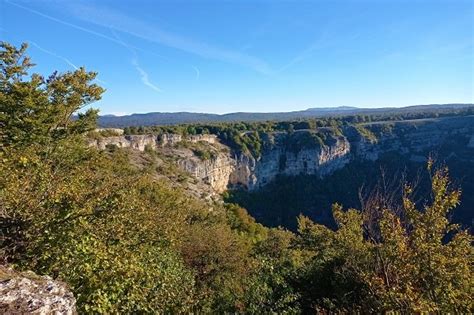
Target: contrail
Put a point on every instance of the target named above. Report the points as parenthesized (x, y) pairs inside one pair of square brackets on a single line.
[(49, 17), (143, 74), (49, 52), (161, 37), (197, 72), (61, 21), (53, 54)]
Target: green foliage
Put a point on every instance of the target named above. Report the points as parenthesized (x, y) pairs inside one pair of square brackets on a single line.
[(221, 262), (123, 241), (102, 133), (201, 149), (304, 140), (93, 219), (408, 267), (40, 109), (246, 137), (246, 225), (366, 133), (203, 154)]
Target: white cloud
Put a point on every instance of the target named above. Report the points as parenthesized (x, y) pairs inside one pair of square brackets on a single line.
[(112, 19), (109, 18)]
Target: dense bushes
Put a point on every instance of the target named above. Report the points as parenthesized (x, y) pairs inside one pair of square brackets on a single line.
[(404, 265), (122, 240)]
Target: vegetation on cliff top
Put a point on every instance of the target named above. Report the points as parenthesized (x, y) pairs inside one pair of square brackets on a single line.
[(128, 243), (250, 137), (353, 115)]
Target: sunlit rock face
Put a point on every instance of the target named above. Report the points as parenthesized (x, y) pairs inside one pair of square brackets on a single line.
[(140, 142), (419, 138), (28, 293), (137, 142), (215, 172), (291, 155), (278, 158)]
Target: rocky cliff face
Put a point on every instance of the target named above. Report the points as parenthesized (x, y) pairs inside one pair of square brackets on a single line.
[(303, 152), (139, 142), (420, 137), (27, 293), (215, 172), (226, 169), (279, 158)]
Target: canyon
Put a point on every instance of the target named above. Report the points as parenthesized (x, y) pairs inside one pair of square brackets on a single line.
[(302, 152)]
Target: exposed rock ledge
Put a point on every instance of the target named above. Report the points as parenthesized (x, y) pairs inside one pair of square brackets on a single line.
[(28, 293), (139, 142)]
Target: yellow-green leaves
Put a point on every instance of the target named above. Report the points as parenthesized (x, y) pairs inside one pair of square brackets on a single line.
[(35, 110), (421, 265)]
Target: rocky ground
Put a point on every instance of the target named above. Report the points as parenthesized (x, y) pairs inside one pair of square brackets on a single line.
[(28, 293)]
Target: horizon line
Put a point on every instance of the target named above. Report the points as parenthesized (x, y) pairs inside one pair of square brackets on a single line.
[(123, 114)]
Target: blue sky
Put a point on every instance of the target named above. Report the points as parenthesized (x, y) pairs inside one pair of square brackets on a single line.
[(227, 56)]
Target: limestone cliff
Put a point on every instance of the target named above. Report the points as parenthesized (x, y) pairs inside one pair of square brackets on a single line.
[(181, 151), (226, 169), (420, 137), (280, 157), (215, 172), (139, 142), (303, 152)]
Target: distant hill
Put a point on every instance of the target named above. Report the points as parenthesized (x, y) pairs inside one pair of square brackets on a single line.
[(158, 118)]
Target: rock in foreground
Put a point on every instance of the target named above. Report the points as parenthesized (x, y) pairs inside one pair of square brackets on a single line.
[(28, 293)]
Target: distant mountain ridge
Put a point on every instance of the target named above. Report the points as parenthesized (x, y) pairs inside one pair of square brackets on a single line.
[(166, 118)]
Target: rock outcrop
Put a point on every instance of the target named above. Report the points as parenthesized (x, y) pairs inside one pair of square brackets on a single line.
[(215, 172), (226, 169), (28, 293), (279, 158), (140, 142)]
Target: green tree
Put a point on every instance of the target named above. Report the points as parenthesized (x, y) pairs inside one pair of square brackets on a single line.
[(421, 264), (40, 109), (84, 216)]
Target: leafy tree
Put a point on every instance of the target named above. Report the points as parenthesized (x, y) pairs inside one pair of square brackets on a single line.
[(39, 109), (84, 216), (421, 265), (270, 288)]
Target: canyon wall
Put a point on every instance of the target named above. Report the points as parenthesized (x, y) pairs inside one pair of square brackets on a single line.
[(301, 153), (278, 159)]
